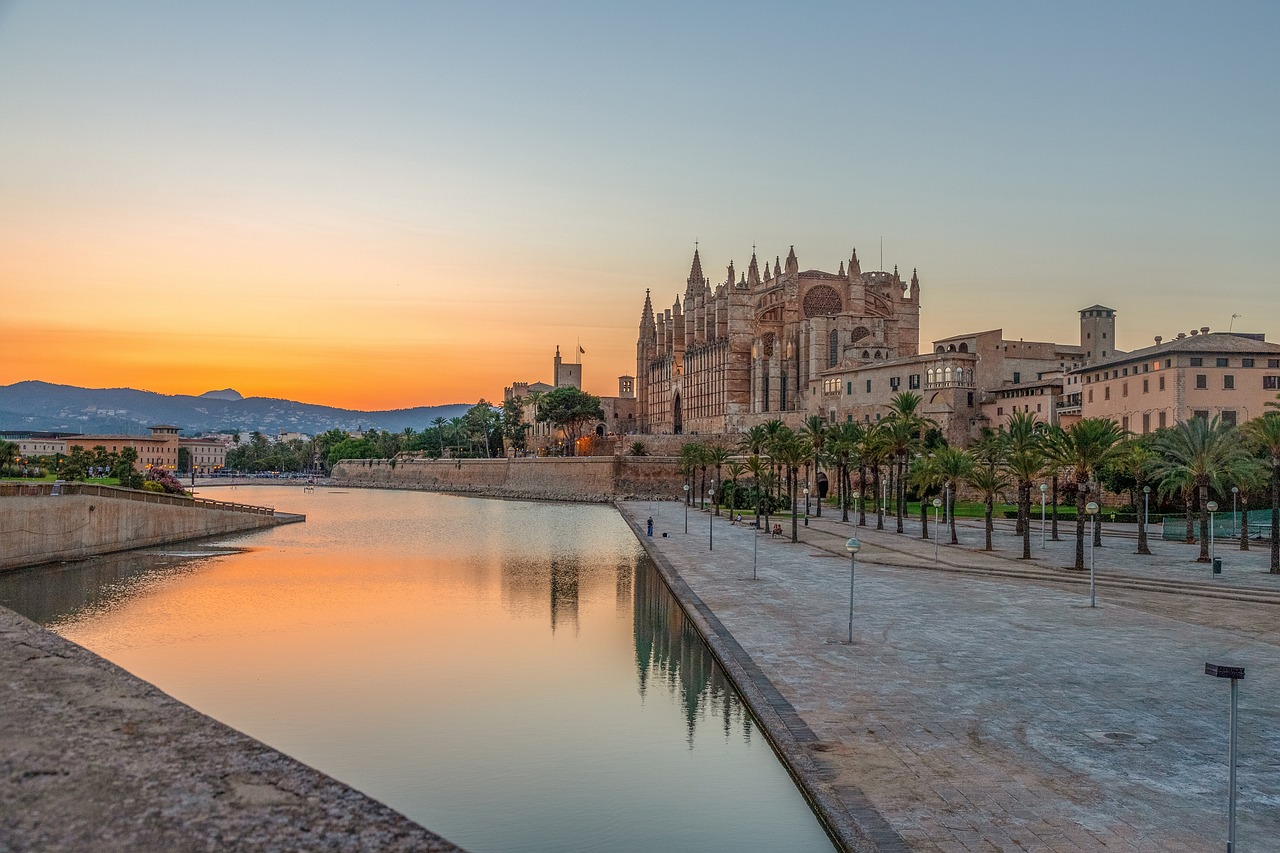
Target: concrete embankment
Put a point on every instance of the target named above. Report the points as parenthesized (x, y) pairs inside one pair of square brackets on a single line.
[(41, 523), (92, 758), (587, 478)]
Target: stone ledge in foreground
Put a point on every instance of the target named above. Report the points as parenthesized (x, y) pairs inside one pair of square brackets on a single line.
[(93, 758)]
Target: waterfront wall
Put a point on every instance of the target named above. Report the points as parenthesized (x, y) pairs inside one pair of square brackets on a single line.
[(591, 478), (45, 523)]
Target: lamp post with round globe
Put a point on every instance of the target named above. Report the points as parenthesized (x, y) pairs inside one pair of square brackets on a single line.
[(937, 503), (852, 546), (1044, 491), (686, 507), (856, 497), (1212, 506), (1092, 509), (711, 517), (1235, 493)]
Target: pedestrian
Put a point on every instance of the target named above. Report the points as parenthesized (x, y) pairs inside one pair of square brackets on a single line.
[(651, 526)]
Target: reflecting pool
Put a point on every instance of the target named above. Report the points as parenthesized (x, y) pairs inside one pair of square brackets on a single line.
[(512, 675)]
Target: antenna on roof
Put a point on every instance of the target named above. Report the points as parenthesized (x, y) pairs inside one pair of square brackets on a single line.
[(1232, 324), (882, 251)]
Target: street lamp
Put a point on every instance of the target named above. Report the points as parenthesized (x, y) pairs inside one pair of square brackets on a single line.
[(686, 507), (1146, 507), (806, 506), (1092, 509), (852, 546), (1235, 673), (1235, 493), (1044, 491), (857, 503), (1212, 506), (711, 517), (937, 502), (755, 547)]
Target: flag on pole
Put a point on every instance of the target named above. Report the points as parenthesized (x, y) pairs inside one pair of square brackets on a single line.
[(581, 351)]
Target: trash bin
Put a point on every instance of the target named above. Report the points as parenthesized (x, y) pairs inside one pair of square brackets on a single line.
[(1217, 565)]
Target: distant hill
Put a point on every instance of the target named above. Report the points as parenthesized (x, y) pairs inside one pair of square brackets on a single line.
[(42, 406)]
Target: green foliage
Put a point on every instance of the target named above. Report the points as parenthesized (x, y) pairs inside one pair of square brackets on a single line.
[(569, 409), (639, 448)]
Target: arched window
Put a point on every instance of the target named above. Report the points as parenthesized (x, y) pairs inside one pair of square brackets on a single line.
[(877, 353), (930, 375), (951, 348), (964, 348), (940, 348), (959, 374), (948, 375), (833, 348), (866, 354)]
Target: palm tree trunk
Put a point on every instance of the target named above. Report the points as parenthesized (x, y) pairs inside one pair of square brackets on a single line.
[(875, 482), (1203, 489), (792, 474), (1275, 515), (1081, 499), (862, 496), (1142, 526), (842, 475), (951, 513), (1054, 508), (1244, 522), (817, 491), (900, 492), (924, 516), (990, 505), (1191, 533), (1024, 512)]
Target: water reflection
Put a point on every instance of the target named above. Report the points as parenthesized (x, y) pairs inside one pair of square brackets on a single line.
[(512, 675), (670, 652)]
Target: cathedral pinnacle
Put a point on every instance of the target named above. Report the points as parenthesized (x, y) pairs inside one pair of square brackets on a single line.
[(695, 271), (753, 271)]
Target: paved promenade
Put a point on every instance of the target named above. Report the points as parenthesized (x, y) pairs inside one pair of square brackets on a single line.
[(983, 705), (94, 759)]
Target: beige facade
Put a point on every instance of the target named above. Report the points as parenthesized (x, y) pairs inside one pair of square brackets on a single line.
[(757, 347), (1202, 374), (206, 454), (40, 446), (158, 450)]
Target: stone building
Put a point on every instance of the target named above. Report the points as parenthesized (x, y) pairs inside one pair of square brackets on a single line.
[(754, 347), (1229, 375), (158, 450)]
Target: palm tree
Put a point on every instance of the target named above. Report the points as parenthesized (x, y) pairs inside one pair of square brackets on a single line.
[(1137, 461), (1264, 434), (877, 452), (989, 480), (758, 470), (844, 444), (954, 466), (924, 475), (1024, 460), (907, 427), (792, 451), (688, 466), (736, 470), (815, 432), (753, 440), (1084, 447), (1203, 451), (717, 456)]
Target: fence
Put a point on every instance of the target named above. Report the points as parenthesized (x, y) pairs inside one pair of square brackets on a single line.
[(1226, 525), (56, 489)]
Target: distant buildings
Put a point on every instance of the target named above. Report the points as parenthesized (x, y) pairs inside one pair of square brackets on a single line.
[(781, 343), (619, 411), (159, 449)]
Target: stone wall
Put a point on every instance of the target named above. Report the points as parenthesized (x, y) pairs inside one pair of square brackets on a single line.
[(41, 524), (595, 478)]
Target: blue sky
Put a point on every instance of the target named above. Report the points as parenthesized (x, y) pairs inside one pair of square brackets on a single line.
[(467, 185)]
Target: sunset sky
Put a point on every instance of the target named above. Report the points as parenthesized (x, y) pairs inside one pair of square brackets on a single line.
[(379, 205)]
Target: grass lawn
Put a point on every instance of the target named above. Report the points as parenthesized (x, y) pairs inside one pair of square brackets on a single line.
[(49, 478)]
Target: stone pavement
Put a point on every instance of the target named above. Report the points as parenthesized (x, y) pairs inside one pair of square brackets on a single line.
[(992, 713), (92, 758)]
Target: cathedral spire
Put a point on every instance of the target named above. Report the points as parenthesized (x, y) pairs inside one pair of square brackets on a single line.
[(855, 268), (732, 277), (840, 272), (777, 266), (646, 316), (753, 271), (793, 265), (695, 271)]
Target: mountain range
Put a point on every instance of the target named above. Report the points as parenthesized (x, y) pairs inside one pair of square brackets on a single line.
[(44, 407)]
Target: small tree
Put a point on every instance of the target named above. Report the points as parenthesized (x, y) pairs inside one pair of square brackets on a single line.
[(569, 409)]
